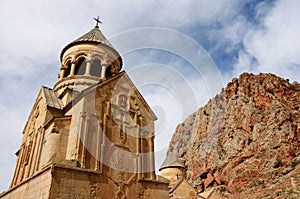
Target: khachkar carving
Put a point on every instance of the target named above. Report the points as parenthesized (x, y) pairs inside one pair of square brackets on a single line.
[(117, 129)]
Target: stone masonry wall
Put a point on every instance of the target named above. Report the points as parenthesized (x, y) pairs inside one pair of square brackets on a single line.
[(36, 187)]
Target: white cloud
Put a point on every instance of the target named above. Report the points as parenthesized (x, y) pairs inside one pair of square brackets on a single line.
[(274, 44), (173, 94), (34, 32), (245, 63), (230, 35)]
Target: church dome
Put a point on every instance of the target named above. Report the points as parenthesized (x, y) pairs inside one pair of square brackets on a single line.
[(94, 36), (178, 163), (87, 60)]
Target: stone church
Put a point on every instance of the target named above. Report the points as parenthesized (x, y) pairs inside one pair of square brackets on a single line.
[(91, 135)]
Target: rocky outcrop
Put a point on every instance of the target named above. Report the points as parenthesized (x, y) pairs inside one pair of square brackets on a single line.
[(245, 141)]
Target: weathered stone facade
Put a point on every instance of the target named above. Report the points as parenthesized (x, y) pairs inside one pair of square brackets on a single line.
[(173, 171), (92, 135), (182, 189)]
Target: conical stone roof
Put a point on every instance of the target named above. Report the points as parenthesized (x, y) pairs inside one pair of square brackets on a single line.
[(177, 163), (93, 36)]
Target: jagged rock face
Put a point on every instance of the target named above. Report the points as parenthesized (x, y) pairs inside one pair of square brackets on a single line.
[(246, 140)]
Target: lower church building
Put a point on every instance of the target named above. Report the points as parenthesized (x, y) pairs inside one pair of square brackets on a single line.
[(91, 135)]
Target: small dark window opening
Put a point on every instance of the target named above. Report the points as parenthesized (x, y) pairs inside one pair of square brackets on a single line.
[(96, 68), (80, 67), (108, 72), (67, 70)]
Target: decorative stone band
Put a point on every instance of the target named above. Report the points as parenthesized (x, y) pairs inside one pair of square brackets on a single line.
[(78, 83)]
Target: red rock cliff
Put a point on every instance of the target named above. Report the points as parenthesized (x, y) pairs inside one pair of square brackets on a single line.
[(246, 140)]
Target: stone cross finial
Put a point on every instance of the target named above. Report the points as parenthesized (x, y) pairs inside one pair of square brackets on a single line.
[(97, 21)]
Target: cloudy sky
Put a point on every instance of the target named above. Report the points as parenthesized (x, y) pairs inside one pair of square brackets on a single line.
[(222, 39)]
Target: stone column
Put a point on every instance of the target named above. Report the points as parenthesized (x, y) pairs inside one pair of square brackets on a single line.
[(23, 162), (99, 145), (40, 149), (39, 146), (103, 71), (72, 69), (32, 156), (140, 147), (18, 167), (83, 137), (62, 72), (88, 67), (78, 138), (151, 157)]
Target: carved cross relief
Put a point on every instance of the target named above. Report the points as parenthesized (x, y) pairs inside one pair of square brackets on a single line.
[(120, 116)]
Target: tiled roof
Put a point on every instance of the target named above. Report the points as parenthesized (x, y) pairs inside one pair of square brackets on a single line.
[(51, 98)]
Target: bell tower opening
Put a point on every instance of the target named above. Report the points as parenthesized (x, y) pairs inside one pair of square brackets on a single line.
[(80, 66), (96, 68), (108, 72), (67, 69), (87, 61)]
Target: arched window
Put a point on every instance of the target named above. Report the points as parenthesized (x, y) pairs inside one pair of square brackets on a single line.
[(68, 68), (96, 68), (80, 66)]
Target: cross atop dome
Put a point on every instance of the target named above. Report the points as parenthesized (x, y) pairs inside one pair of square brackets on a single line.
[(87, 60), (97, 22)]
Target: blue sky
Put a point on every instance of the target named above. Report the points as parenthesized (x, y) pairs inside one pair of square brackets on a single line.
[(238, 35)]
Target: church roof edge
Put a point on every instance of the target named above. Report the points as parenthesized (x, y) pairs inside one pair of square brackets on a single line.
[(93, 36)]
